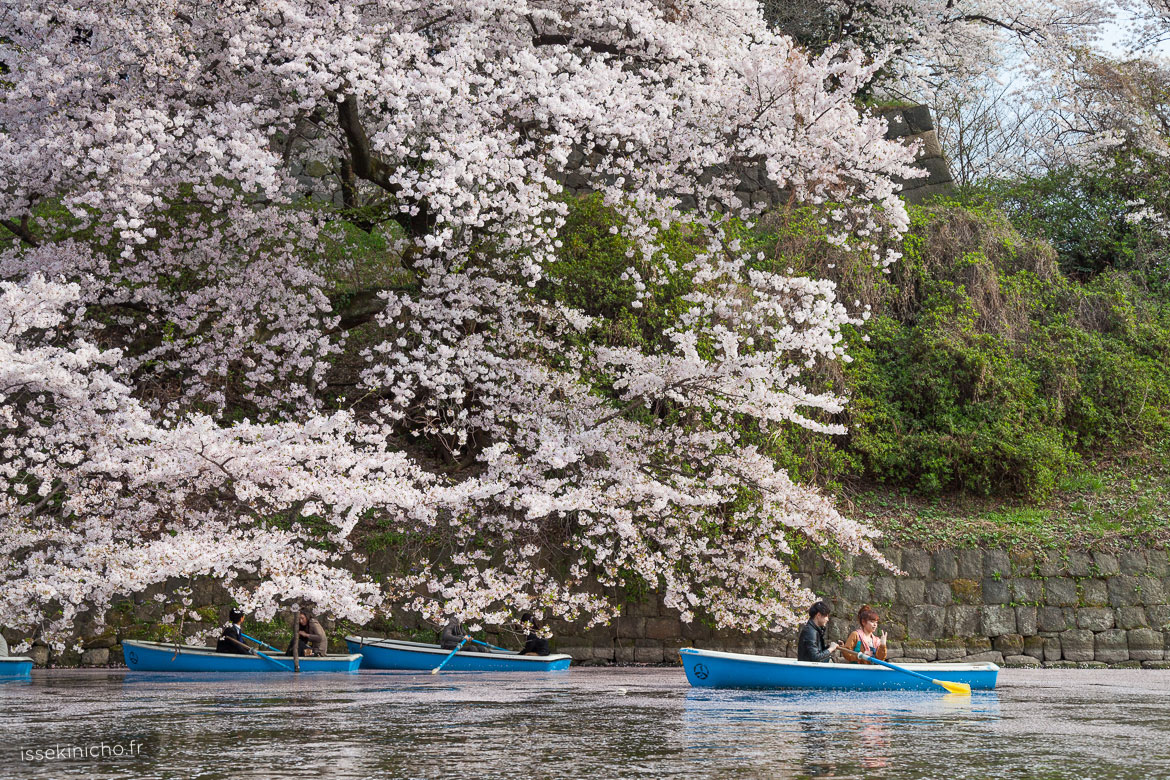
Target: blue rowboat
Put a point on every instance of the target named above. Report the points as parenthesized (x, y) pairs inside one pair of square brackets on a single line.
[(163, 657), (418, 656), (712, 669), (15, 667)]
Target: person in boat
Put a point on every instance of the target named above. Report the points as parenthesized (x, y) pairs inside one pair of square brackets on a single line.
[(534, 644), (311, 636), (232, 640), (865, 639), (452, 634), (810, 645)]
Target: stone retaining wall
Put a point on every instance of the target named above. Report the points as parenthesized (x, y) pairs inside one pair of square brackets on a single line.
[(952, 605)]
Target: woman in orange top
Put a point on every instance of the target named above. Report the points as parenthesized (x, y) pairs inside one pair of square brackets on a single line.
[(865, 638)]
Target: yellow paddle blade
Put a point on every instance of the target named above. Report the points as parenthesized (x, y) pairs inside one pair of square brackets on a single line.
[(953, 687)]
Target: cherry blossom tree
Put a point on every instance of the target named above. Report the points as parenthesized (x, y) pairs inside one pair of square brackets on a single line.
[(202, 377)]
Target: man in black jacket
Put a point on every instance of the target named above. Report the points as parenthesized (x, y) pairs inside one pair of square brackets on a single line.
[(811, 644)]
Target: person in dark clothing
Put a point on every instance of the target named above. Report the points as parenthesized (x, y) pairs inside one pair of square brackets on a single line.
[(452, 634), (533, 644), (811, 644), (232, 640)]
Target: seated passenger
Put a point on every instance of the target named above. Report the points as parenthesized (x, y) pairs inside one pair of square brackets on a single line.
[(534, 644), (864, 639), (810, 646), (232, 640), (312, 637)]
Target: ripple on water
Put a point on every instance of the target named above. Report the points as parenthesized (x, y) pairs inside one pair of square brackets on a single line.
[(585, 723)]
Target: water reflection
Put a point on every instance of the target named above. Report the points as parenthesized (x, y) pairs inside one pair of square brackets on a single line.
[(588, 723)]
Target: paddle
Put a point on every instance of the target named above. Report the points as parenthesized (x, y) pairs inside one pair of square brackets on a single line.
[(272, 660), (953, 687), (450, 655), (493, 647), (257, 641)]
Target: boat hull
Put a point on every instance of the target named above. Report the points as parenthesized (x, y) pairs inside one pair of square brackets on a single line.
[(162, 657), (418, 656), (712, 669), (15, 667)]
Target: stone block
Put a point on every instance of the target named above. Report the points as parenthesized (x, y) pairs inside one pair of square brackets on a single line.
[(940, 172), (1060, 592), (1021, 661), (938, 593), (996, 591), (1034, 646), (856, 590), (1158, 616), (885, 590), (1133, 562), (1150, 590), (1023, 561), (1009, 644), (1106, 564), (1094, 593), (918, 118), (992, 656), (630, 627), (916, 563), (930, 145), (1123, 590), (997, 620), (810, 561), (1095, 618), (623, 652), (970, 564), (996, 563), (1145, 644), (893, 649), (1076, 645), (945, 565), (1052, 648), (1055, 619), (911, 591), (1027, 590), (967, 591), (97, 656), (1048, 565), (920, 649), (962, 620), (1158, 563), (1079, 564), (896, 125), (978, 644), (647, 651), (927, 622), (1111, 646), (662, 628), (1130, 617), (1026, 622), (950, 649), (39, 654)]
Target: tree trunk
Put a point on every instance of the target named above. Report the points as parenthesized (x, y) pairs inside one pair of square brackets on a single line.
[(296, 641)]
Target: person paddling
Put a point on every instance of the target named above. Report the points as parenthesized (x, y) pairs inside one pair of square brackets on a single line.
[(232, 640), (810, 645), (534, 644), (864, 639), (452, 634)]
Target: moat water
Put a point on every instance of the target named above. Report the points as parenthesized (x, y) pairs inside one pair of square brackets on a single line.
[(585, 723)]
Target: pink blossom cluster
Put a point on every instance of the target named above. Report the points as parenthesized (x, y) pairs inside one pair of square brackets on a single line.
[(189, 390)]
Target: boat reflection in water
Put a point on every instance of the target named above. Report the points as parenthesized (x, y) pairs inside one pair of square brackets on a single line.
[(831, 733)]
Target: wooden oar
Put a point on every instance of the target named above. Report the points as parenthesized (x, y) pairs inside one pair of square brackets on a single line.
[(450, 655), (953, 687)]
